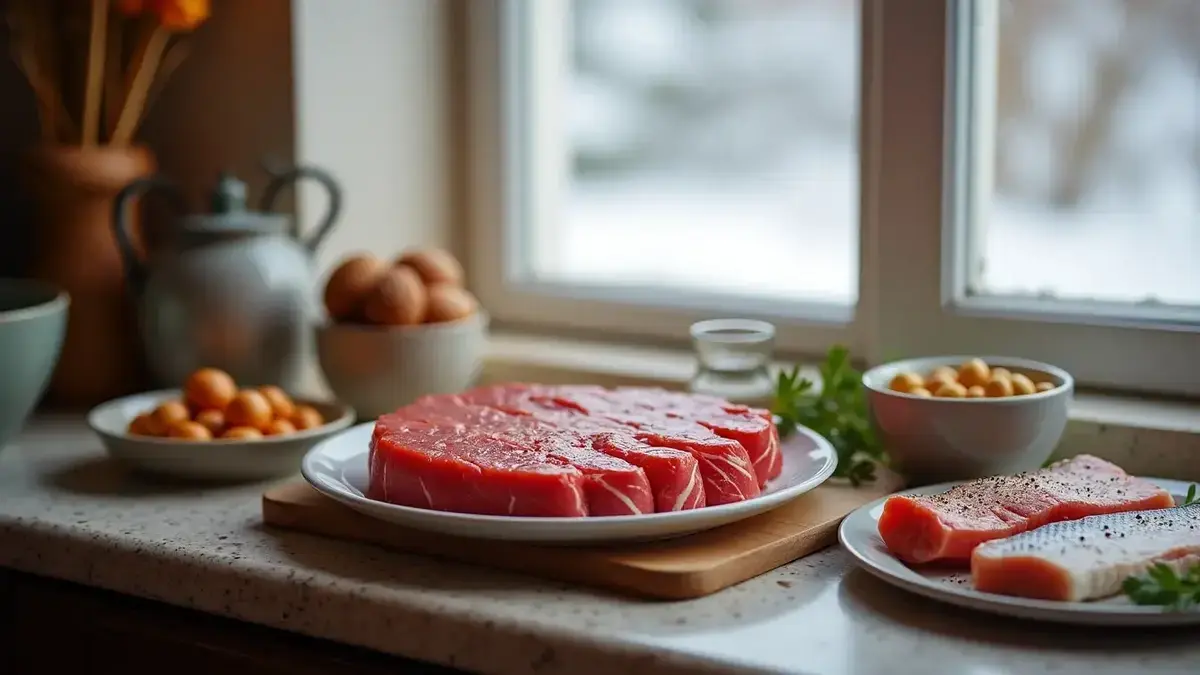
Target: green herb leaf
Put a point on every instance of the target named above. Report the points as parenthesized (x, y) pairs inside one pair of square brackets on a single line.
[(838, 412), (1191, 495), (1161, 586)]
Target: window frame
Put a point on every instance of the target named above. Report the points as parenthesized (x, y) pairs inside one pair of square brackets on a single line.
[(912, 301)]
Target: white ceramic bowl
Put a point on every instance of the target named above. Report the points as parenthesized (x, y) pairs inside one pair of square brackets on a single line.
[(378, 369), (933, 440), (226, 460)]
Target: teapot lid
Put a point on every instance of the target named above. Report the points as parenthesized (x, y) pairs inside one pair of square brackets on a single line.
[(228, 210)]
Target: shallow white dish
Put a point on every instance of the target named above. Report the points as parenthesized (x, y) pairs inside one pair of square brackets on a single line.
[(859, 535), (231, 460), (338, 468)]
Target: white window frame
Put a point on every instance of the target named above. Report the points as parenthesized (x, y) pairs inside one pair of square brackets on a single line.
[(913, 300)]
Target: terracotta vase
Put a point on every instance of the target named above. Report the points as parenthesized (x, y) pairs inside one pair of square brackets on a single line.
[(72, 190)]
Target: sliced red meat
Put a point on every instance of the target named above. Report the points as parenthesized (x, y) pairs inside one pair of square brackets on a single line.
[(612, 487), (725, 467), (754, 428), (449, 469), (581, 449)]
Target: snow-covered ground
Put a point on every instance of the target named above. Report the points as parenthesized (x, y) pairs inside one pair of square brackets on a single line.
[(795, 236), (717, 153)]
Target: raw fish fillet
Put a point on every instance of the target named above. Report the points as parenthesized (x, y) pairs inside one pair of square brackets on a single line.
[(1089, 558), (948, 526)]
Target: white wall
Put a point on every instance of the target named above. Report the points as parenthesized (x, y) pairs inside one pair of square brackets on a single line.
[(371, 105)]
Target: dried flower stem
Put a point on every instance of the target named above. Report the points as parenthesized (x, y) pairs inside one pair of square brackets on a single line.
[(139, 87), (114, 76), (93, 90)]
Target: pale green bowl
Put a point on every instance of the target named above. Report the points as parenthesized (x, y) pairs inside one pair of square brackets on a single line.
[(33, 321)]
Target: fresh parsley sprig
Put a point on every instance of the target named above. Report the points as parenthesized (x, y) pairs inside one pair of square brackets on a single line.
[(838, 412), (1160, 585), (1191, 496)]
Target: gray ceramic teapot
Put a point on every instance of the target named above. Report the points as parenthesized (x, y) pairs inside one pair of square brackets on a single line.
[(232, 288)]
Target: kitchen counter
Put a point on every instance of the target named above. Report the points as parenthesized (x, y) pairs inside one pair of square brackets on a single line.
[(67, 512)]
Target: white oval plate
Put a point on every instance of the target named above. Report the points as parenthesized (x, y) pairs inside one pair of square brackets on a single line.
[(224, 460), (338, 468), (859, 535)]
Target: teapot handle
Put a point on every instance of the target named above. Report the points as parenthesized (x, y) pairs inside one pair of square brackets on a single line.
[(283, 179), (135, 267)]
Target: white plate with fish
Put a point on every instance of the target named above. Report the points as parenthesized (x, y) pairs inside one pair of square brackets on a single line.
[(859, 535)]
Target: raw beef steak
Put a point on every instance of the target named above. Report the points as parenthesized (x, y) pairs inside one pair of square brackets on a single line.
[(537, 450)]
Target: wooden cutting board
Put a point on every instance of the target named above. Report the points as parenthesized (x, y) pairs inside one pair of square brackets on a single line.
[(675, 569)]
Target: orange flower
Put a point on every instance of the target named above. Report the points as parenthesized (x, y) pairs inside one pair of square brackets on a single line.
[(181, 15), (131, 7)]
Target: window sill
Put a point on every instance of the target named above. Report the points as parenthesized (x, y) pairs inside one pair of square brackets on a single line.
[(1144, 435)]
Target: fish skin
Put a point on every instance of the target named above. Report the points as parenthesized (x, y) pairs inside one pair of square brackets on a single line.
[(1089, 558)]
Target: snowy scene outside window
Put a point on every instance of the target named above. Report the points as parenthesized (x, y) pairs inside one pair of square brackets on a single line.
[(710, 145)]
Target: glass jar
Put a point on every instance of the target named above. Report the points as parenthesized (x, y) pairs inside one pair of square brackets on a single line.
[(733, 356)]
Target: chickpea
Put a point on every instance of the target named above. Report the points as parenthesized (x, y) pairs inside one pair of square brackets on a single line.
[(906, 382), (1022, 385), (940, 376), (1001, 372), (922, 392), (999, 387), (951, 390), (976, 392), (974, 372), (1044, 386)]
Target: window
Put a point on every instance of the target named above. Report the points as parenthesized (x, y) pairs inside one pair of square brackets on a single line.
[(908, 177)]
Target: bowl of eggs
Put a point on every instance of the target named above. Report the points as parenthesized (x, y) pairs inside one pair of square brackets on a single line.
[(959, 417), (399, 329), (213, 429)]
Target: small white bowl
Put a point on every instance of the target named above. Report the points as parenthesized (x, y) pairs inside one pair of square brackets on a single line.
[(377, 369), (225, 460), (932, 440)]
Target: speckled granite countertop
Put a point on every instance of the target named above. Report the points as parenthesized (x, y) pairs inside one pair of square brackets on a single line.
[(66, 512)]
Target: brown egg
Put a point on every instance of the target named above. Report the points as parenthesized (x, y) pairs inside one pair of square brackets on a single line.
[(249, 409), (1022, 385), (350, 284), (976, 392), (281, 404), (906, 382), (242, 433), (279, 427), (306, 417), (449, 303), (400, 298), (974, 373), (434, 266), (951, 390), (213, 420), (209, 388), (143, 425), (167, 414), (189, 431), (1044, 386)]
